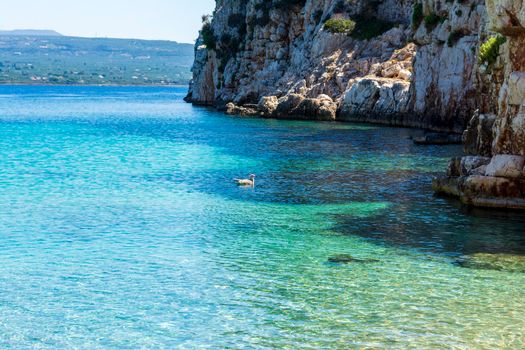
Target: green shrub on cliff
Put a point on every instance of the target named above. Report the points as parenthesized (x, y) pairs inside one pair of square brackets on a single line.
[(489, 50), (339, 25), (363, 28)]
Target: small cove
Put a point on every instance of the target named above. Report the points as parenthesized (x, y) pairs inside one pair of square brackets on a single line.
[(120, 228)]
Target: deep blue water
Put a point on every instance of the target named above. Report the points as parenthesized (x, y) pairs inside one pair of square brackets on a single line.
[(120, 228)]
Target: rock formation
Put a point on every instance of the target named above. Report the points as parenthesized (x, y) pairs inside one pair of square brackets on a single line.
[(394, 68), (433, 64), (495, 137)]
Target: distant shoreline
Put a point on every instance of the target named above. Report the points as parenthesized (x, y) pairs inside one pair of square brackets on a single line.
[(95, 85)]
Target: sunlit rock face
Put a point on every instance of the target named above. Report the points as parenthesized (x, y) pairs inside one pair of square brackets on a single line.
[(445, 67), (507, 17), (408, 74), (498, 130)]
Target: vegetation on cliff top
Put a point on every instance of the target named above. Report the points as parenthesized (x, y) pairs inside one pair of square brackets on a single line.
[(339, 25), (363, 28), (489, 50)]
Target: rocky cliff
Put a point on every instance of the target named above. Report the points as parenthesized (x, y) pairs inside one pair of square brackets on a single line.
[(493, 173), (445, 65), (404, 63)]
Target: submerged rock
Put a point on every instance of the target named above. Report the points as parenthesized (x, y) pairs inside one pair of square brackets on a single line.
[(348, 259), (497, 262), (233, 109)]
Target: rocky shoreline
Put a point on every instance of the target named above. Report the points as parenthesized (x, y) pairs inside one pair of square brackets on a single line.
[(497, 182), (439, 65), (492, 174)]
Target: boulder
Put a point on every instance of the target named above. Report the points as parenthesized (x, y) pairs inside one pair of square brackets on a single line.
[(376, 99), (287, 104), (361, 97), (347, 259), (492, 187), (498, 262), (503, 165), (404, 74), (391, 71), (471, 164), (268, 104), (296, 106), (320, 108), (483, 191), (481, 170), (232, 109)]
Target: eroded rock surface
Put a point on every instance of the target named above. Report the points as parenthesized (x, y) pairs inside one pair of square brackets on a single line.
[(407, 75), (498, 129)]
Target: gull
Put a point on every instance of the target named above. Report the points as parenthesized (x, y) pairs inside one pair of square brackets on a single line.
[(246, 182)]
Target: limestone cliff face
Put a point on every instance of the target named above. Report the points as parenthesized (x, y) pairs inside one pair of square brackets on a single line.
[(277, 59), (493, 174), (445, 67), (508, 18)]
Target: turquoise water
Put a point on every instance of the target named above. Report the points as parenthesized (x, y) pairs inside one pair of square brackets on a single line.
[(120, 228)]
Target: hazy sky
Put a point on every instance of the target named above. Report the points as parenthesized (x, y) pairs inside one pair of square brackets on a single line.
[(143, 19)]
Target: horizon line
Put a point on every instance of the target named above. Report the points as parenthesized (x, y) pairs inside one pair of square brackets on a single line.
[(92, 37)]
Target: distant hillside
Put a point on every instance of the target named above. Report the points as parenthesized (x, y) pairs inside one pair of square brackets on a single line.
[(55, 59), (30, 32)]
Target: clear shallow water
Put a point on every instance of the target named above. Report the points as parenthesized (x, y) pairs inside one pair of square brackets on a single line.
[(120, 228)]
